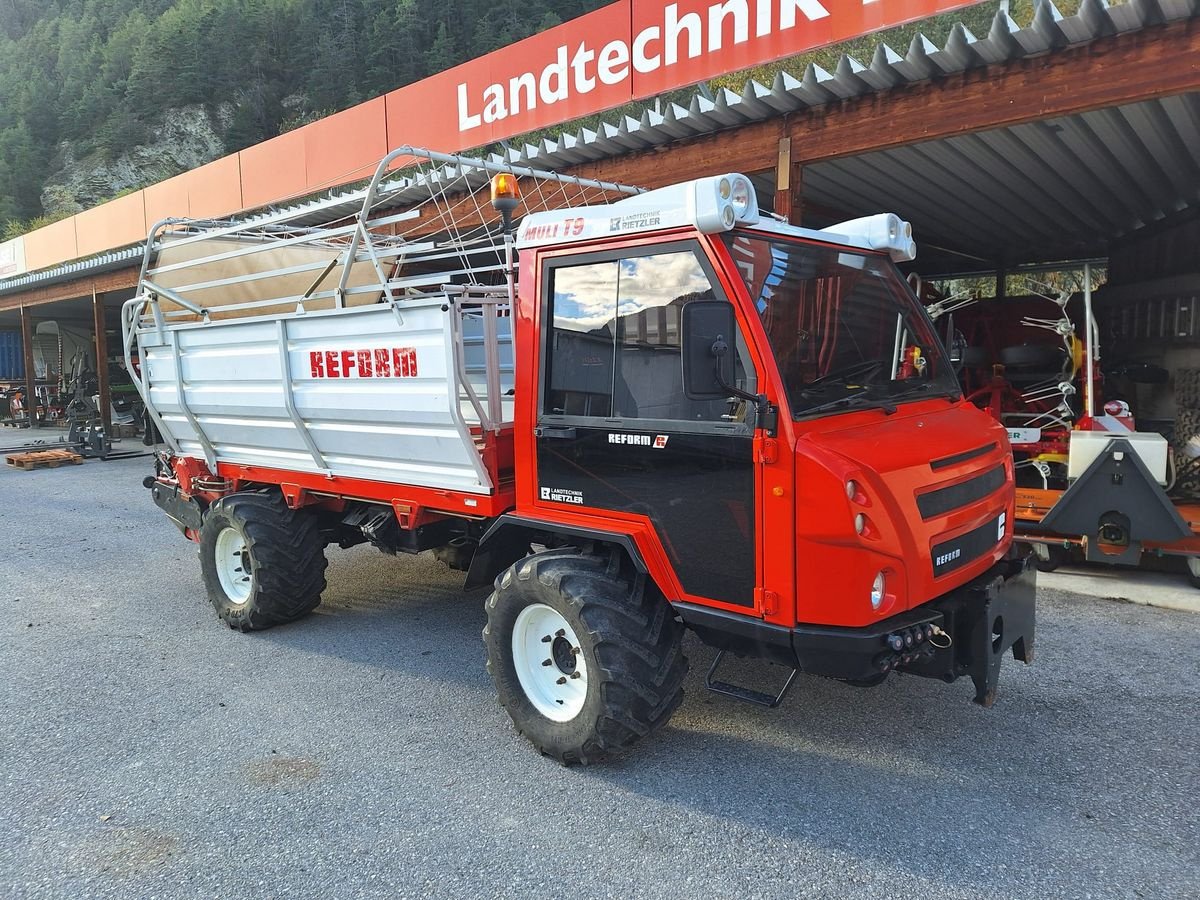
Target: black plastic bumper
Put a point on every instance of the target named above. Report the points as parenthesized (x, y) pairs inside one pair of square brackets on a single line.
[(980, 622)]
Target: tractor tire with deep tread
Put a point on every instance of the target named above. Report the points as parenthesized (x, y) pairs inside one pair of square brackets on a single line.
[(627, 637), (282, 551)]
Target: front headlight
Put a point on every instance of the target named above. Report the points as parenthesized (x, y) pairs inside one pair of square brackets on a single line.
[(877, 591)]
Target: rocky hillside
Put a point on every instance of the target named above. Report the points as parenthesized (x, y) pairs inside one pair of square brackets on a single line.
[(101, 96), (185, 138)]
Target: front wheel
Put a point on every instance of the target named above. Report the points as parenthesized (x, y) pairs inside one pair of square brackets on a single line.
[(584, 662), (263, 563)]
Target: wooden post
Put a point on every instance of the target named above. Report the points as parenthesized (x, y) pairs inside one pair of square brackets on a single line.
[(102, 360), (30, 375), (788, 202)]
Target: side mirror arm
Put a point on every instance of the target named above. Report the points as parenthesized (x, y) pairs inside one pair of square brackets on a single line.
[(767, 414)]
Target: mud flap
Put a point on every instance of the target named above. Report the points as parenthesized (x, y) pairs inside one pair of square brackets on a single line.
[(185, 512)]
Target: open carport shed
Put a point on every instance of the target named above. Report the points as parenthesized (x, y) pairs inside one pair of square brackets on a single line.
[(88, 307), (1065, 188), (1051, 143)]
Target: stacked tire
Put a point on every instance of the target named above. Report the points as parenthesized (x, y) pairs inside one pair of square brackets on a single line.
[(1186, 439)]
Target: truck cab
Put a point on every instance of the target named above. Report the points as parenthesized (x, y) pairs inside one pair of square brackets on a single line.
[(766, 418)]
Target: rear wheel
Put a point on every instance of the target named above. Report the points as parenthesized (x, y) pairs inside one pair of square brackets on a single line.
[(1055, 556), (585, 662), (263, 564)]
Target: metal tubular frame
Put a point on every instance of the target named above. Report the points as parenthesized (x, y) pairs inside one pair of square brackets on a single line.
[(129, 316), (210, 453), (289, 400), (451, 181)]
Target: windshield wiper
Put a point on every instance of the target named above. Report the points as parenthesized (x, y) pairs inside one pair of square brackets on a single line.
[(928, 387), (844, 374), (886, 405)]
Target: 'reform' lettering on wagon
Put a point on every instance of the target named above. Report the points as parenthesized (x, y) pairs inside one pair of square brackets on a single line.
[(369, 362)]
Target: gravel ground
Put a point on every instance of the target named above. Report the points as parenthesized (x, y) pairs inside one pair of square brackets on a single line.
[(146, 750)]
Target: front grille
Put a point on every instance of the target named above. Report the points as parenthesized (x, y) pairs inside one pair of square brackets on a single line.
[(966, 548), (961, 457), (943, 500)]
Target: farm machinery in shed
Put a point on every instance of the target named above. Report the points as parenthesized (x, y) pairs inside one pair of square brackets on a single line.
[(1091, 486)]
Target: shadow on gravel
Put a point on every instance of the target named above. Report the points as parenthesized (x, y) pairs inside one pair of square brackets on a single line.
[(403, 614), (914, 774), (911, 774)]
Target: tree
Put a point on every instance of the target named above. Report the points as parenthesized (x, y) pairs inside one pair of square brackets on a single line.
[(84, 76)]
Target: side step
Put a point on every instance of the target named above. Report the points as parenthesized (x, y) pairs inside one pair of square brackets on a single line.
[(747, 695)]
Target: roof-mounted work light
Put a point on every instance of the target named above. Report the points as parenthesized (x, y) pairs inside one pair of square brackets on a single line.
[(721, 202), (506, 196), (884, 231)]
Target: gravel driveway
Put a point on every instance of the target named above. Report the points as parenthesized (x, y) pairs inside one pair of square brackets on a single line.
[(147, 750)]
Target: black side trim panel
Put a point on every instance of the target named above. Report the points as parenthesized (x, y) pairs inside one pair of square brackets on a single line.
[(696, 489), (742, 634), (946, 461), (944, 500), (508, 538)]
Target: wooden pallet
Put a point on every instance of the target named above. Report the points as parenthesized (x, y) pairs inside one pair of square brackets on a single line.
[(50, 459)]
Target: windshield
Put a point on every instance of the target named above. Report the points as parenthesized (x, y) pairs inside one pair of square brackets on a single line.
[(845, 329)]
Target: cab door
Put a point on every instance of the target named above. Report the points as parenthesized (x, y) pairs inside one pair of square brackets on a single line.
[(617, 436)]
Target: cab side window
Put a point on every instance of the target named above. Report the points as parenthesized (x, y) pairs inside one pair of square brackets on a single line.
[(614, 340)]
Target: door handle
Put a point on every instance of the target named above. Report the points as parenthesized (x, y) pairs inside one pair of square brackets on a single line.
[(557, 432)]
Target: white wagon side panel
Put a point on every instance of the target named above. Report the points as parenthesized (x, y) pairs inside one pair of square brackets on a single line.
[(408, 426)]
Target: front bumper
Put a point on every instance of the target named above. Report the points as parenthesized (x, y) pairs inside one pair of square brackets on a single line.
[(983, 619)]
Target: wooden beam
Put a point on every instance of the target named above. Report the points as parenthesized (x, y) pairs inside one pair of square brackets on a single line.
[(102, 361), (76, 289), (789, 184), (749, 149), (1154, 62), (30, 373)]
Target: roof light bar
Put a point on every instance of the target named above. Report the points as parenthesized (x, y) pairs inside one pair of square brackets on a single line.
[(885, 231)]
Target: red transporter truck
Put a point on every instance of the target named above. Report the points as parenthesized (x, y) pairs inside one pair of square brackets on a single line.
[(664, 412)]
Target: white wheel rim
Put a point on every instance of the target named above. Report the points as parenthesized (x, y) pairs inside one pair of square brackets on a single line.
[(233, 565), (549, 662)]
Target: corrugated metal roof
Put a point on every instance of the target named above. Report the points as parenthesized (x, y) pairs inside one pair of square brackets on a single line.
[(96, 265), (887, 68), (1049, 190)]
